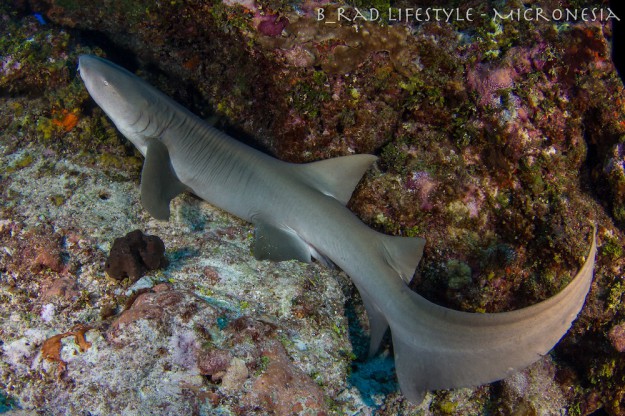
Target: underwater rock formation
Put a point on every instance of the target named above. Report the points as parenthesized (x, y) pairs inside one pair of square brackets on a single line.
[(502, 179)]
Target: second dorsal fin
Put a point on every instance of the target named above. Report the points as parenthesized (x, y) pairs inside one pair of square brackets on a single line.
[(403, 254)]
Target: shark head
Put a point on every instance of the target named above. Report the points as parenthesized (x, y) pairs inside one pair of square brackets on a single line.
[(120, 94)]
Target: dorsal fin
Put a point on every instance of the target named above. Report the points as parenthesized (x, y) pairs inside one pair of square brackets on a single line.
[(337, 177), (403, 254)]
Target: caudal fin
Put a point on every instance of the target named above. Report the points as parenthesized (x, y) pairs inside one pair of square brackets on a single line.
[(440, 348)]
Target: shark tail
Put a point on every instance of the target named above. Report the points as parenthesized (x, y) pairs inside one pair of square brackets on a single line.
[(402, 254), (440, 348)]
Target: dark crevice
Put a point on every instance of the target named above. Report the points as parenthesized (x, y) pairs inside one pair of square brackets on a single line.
[(618, 37), (114, 52)]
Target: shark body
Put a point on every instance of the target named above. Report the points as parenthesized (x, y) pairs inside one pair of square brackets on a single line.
[(299, 213)]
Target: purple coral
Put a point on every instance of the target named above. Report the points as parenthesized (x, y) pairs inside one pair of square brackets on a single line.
[(272, 25)]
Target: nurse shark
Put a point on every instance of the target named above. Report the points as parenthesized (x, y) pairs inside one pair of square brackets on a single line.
[(299, 212)]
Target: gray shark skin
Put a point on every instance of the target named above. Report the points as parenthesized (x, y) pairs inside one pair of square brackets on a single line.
[(299, 213)]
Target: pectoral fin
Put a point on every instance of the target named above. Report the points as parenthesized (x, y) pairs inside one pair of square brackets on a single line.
[(159, 183), (279, 244)]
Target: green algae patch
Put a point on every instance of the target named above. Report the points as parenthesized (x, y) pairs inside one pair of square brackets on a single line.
[(25, 160), (613, 248)]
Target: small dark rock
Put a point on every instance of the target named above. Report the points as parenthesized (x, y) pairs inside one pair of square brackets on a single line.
[(135, 254)]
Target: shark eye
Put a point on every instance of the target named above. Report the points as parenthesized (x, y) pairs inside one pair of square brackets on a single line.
[(105, 82)]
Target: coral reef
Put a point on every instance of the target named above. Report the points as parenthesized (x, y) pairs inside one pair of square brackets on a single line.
[(500, 142), (135, 254)]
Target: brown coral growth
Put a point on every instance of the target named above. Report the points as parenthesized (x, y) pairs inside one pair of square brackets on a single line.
[(51, 348), (135, 254)]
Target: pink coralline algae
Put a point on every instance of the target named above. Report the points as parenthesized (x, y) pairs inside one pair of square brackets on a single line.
[(422, 183), (157, 305), (213, 363), (266, 23), (35, 250), (488, 80), (64, 288), (283, 388), (473, 200)]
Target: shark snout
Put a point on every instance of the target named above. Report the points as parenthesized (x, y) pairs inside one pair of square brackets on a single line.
[(91, 67), (84, 62)]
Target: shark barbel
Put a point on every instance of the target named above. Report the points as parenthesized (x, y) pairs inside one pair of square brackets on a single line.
[(299, 212)]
